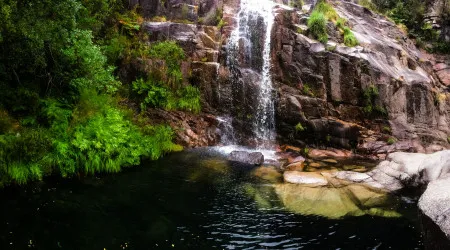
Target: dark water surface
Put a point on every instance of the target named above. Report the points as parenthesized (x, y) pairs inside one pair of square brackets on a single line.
[(188, 200)]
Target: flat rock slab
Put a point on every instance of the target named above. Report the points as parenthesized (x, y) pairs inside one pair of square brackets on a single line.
[(308, 178), (251, 158)]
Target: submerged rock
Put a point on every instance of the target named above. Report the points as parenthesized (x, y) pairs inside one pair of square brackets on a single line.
[(268, 173), (252, 158), (334, 203)]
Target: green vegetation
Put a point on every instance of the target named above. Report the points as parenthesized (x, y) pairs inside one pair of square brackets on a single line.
[(299, 127), (412, 15), (387, 129), (370, 95), (306, 89), (349, 39), (296, 3), (59, 104), (326, 9), (317, 24), (341, 23), (391, 140)]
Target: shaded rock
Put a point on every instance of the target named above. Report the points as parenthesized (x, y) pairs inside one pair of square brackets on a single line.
[(296, 159), (268, 173), (296, 166), (252, 158), (333, 153), (435, 203), (308, 178)]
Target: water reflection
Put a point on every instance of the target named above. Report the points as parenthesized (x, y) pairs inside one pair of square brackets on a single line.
[(197, 200)]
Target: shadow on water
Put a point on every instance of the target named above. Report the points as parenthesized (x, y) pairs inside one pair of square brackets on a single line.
[(195, 200)]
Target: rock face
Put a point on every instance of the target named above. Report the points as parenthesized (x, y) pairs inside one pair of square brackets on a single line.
[(325, 87), (251, 158), (182, 10)]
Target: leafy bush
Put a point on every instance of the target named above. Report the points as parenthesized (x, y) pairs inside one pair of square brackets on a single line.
[(317, 25), (349, 38), (20, 155), (326, 9), (159, 96), (88, 64)]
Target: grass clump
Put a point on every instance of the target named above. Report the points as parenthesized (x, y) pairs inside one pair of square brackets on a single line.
[(370, 96), (391, 140), (327, 10), (299, 127), (317, 24), (349, 38)]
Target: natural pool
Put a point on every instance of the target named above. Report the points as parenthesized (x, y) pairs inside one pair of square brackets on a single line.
[(197, 200)]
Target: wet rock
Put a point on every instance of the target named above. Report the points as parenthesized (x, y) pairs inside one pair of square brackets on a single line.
[(296, 166), (334, 203), (308, 178), (296, 159), (268, 173), (333, 153), (251, 158)]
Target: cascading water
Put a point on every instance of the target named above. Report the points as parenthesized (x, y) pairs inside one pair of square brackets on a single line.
[(246, 49)]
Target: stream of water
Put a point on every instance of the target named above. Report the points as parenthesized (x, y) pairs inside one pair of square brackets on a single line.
[(195, 200), (245, 51)]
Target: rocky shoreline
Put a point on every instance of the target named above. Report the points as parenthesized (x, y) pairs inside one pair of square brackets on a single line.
[(320, 170)]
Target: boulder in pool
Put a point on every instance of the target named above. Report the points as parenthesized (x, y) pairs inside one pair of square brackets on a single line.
[(435, 205), (251, 158)]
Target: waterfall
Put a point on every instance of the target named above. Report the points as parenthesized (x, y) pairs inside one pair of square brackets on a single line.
[(246, 50)]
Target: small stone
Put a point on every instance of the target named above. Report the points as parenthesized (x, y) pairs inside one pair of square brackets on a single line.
[(332, 161)]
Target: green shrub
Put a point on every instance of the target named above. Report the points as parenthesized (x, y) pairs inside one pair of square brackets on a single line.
[(189, 99), (341, 23), (349, 38), (391, 140), (159, 96), (296, 3), (326, 9), (317, 25), (368, 4)]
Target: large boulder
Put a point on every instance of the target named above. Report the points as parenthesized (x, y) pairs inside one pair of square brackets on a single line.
[(402, 170), (251, 158), (435, 205)]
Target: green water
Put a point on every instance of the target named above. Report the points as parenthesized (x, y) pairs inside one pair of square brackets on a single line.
[(196, 200)]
